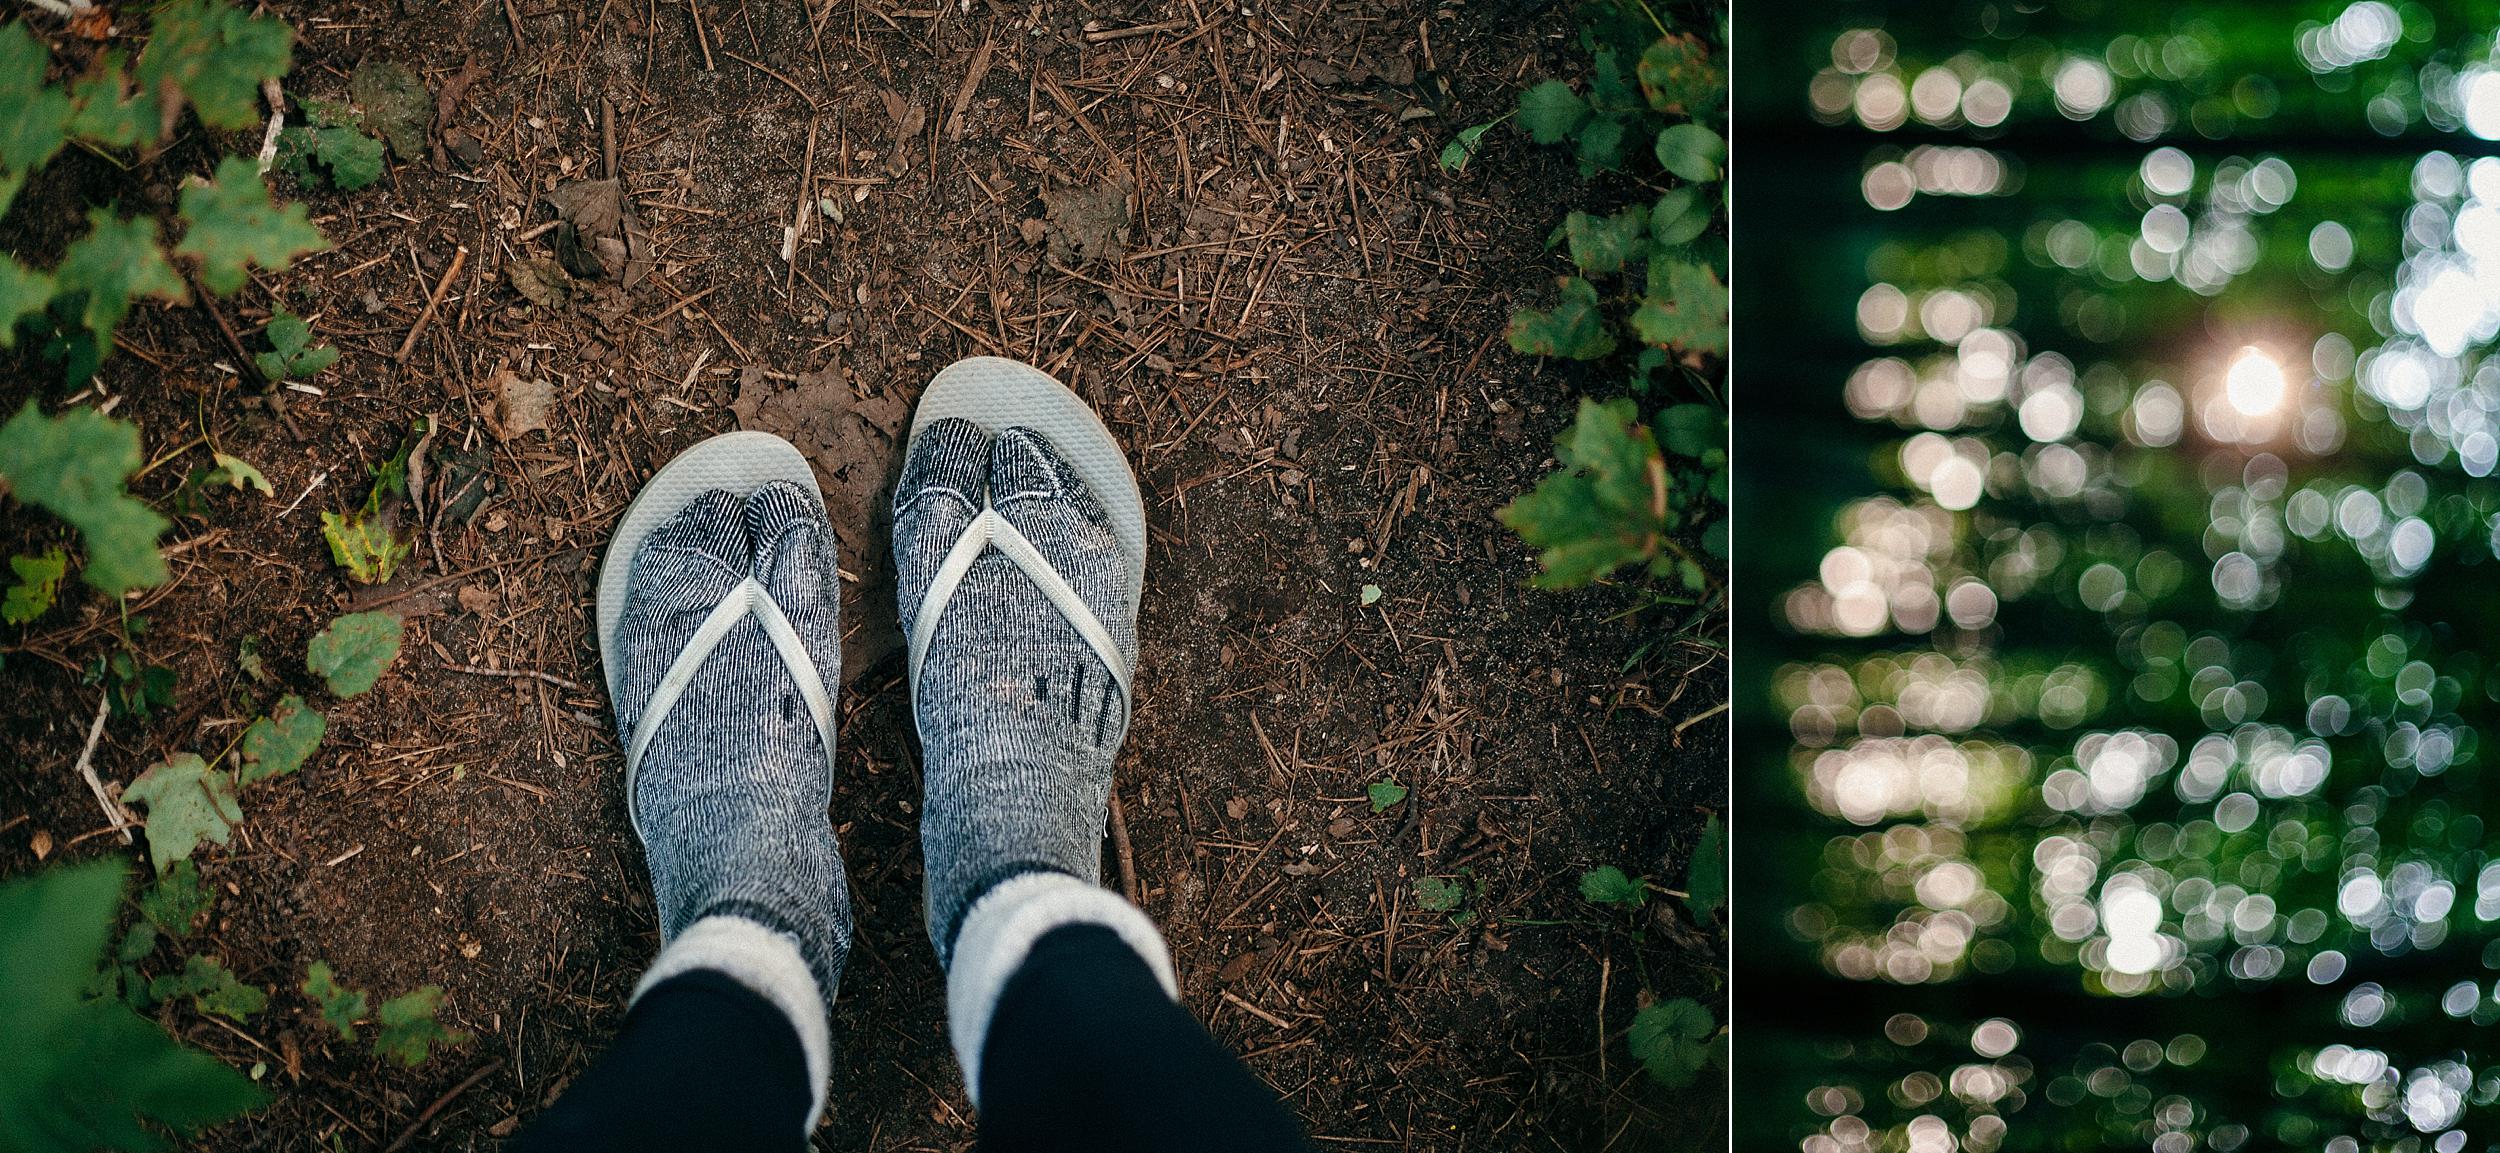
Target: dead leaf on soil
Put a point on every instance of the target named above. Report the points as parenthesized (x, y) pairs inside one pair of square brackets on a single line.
[(1087, 224), (600, 235), (396, 105), (476, 600), (542, 280), (520, 405), (907, 119), (856, 445)]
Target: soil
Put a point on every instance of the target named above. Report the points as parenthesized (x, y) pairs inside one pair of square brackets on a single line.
[(1226, 228)]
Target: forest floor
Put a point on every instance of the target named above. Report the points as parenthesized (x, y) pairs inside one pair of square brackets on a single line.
[(1224, 226)]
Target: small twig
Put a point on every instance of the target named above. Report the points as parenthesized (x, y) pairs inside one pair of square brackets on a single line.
[(607, 138), (466, 1083), (1106, 35), (86, 768), (470, 571), (805, 207), (1120, 846), (532, 674), (694, 8), (1698, 718), (308, 491), (1245, 1006), (1605, 977), (270, 92), (459, 257), (249, 368)]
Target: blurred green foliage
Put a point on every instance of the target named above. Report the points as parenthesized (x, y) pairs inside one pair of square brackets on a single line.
[(2132, 686)]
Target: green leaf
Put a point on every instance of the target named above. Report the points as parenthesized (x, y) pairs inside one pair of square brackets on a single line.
[(1607, 885), (1679, 217), (409, 1031), (1705, 879), (236, 473), (1610, 89), (1463, 147), (54, 925), (1601, 146), (1440, 894), (72, 466), (1686, 308), (69, 343), (23, 292), (32, 114), (1649, 361), (1575, 329), (1692, 430), (1691, 152), (115, 261), (1385, 794), (1370, 595), (211, 988), (289, 356), (340, 157), (396, 105), (247, 658), (110, 113), (187, 802), (1605, 244), (1551, 112), (38, 583), (215, 55), (277, 744), (232, 225), (1605, 508), (341, 1006), (1671, 1039), (77, 1073), (138, 943), (177, 900), (361, 544), (1678, 78), (352, 653), (138, 688)]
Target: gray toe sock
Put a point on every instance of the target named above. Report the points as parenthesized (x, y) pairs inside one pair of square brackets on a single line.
[(1019, 720), (731, 795)]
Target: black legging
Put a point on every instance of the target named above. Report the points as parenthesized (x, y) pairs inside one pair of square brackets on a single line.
[(1084, 1053)]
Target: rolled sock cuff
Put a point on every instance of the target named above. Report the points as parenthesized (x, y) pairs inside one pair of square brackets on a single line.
[(768, 964), (998, 934)]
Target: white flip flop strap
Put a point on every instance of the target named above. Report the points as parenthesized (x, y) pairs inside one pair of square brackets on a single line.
[(749, 597), (988, 529)]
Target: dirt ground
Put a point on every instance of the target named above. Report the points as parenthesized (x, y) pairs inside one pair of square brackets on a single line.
[(1224, 226)]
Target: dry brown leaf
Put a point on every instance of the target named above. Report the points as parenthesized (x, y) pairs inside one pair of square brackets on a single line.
[(1087, 224), (520, 405), (601, 235), (543, 281)]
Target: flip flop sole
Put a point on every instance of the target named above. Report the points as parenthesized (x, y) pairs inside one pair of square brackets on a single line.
[(740, 462), (998, 394)]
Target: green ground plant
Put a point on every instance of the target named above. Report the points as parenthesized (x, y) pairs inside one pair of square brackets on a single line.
[(1643, 482), (1673, 1038), (407, 1027), (206, 56), (80, 1071), (190, 799), (1640, 494)]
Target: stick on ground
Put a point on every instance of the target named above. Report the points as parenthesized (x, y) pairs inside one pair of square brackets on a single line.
[(86, 768)]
